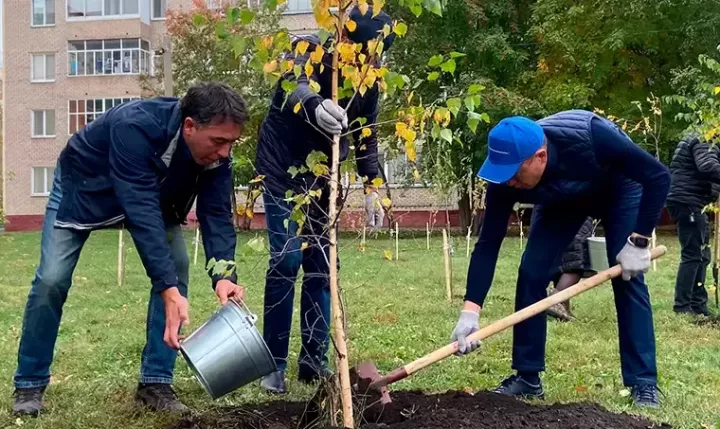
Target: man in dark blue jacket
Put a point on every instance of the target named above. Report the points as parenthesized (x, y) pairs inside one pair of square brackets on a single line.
[(141, 164), (286, 140), (571, 165)]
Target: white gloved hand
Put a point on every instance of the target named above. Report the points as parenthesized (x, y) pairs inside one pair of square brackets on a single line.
[(374, 211), (331, 117), (468, 323), (633, 260)]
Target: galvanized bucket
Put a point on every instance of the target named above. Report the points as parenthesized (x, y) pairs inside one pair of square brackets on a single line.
[(227, 351), (598, 253)]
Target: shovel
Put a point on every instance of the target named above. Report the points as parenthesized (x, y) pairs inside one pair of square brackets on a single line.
[(368, 378)]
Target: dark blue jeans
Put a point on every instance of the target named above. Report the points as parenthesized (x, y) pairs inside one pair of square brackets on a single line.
[(59, 253), (551, 231), (286, 258)]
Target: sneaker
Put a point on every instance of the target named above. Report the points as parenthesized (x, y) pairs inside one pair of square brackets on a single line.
[(28, 402), (160, 397), (274, 382), (516, 386), (646, 395), (309, 375)]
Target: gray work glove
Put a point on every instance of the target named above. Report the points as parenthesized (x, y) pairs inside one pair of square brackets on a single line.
[(466, 325), (633, 260), (331, 117), (374, 211)]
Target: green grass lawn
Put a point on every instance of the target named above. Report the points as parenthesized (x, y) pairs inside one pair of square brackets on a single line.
[(397, 313)]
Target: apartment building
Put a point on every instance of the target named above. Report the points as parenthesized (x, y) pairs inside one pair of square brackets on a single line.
[(65, 63)]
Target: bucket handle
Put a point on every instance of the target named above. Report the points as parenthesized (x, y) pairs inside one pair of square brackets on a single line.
[(252, 317)]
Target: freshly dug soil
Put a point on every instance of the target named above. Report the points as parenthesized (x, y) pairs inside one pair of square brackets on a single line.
[(713, 321), (415, 410)]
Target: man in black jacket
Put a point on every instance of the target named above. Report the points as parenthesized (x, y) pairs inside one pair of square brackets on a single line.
[(695, 172), (287, 137)]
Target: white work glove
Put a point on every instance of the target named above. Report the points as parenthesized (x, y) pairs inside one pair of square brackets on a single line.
[(633, 260), (331, 117), (466, 325), (375, 214)]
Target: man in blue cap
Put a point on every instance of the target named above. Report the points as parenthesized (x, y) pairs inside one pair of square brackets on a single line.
[(571, 165), (286, 139)]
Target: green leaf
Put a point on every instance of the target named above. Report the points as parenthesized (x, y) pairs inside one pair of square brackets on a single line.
[(485, 117), (454, 105), (435, 7), (293, 171), (221, 30), (448, 66), (473, 121), (271, 5), (435, 60), (247, 16), (433, 76), (416, 9), (298, 70), (435, 133), (199, 21), (457, 54), (289, 193), (257, 244), (401, 29), (475, 88), (470, 103), (211, 263), (315, 157), (446, 134), (286, 223), (314, 86), (233, 13), (289, 86), (324, 35), (239, 45)]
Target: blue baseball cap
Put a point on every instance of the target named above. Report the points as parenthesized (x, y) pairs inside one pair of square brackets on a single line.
[(512, 141)]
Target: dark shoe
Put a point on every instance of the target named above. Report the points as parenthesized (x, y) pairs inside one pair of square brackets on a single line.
[(160, 397), (28, 402), (703, 312), (516, 386), (309, 375), (646, 395), (274, 382)]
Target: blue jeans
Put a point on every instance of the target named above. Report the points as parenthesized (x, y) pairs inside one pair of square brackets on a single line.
[(59, 253), (286, 258), (551, 230)]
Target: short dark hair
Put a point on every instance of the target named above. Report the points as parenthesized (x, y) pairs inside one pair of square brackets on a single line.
[(214, 102)]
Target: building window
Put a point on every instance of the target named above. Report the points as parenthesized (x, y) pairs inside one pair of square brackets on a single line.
[(93, 9), (299, 6), (82, 112), (42, 68), (158, 9), (43, 13), (108, 57), (42, 123), (41, 181)]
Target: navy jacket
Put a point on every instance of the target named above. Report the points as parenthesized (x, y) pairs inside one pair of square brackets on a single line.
[(588, 157), (131, 165), (695, 173), (287, 138)]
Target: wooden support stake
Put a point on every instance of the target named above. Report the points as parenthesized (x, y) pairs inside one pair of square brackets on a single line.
[(197, 244), (448, 274), (121, 259), (467, 244), (654, 245), (363, 239), (427, 229), (397, 241)]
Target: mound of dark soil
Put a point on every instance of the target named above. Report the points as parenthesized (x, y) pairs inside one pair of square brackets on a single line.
[(415, 410), (713, 321)]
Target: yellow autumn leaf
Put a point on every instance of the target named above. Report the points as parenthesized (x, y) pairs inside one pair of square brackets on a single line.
[(317, 54), (409, 135), (400, 128), (386, 202), (717, 90), (388, 255), (377, 182), (362, 90), (377, 7), (624, 126), (304, 245), (288, 65), (366, 132), (309, 69), (410, 151), (302, 47), (362, 58), (249, 213), (297, 107), (270, 67), (416, 175), (351, 25)]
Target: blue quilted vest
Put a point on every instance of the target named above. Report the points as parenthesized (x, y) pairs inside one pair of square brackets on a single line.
[(573, 173)]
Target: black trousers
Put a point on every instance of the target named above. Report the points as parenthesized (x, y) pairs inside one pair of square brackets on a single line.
[(694, 234)]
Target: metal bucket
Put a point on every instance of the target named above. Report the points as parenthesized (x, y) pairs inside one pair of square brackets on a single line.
[(227, 351), (598, 253)]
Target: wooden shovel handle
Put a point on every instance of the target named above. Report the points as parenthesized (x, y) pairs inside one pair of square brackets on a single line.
[(510, 320)]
